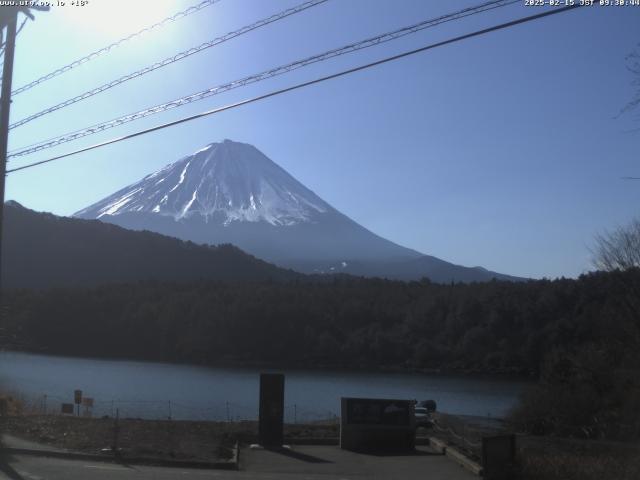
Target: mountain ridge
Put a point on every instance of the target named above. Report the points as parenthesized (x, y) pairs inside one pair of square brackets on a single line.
[(42, 250), (230, 192)]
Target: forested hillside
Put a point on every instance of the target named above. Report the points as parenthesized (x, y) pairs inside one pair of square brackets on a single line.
[(494, 326), (41, 250)]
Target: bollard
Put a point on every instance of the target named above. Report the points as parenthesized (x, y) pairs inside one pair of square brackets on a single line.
[(498, 456), (271, 415)]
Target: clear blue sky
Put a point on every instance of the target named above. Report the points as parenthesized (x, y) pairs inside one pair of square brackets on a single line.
[(502, 151)]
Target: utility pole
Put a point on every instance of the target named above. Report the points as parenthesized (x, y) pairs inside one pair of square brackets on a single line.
[(5, 107), (8, 19)]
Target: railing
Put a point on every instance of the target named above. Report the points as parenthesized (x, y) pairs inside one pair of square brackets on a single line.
[(466, 432), (172, 410)]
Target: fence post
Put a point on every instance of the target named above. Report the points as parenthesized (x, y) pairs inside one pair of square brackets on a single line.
[(116, 429), (170, 432), (295, 413), (228, 418), (45, 404)]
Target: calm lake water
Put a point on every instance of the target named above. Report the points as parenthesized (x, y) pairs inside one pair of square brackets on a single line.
[(160, 390)]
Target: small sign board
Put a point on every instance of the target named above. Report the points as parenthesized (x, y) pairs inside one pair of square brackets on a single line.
[(67, 408), (368, 411), (87, 402), (385, 425), (77, 397)]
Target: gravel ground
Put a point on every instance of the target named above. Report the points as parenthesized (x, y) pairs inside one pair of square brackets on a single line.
[(202, 441), (184, 440)]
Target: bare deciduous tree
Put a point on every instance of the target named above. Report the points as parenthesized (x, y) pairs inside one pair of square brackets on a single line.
[(633, 65), (619, 249)]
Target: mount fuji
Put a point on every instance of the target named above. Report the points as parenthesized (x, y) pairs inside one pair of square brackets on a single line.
[(230, 192)]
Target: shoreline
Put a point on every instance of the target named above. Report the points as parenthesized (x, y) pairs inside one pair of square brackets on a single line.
[(503, 374)]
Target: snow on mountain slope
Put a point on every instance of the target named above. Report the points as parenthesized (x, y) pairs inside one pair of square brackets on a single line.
[(225, 182), (230, 192)]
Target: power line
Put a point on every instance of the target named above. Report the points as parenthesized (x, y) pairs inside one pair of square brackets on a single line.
[(108, 48), (21, 26), (2, 46), (379, 39), (304, 84), (168, 61)]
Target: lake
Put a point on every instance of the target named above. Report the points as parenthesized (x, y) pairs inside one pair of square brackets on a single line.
[(186, 392)]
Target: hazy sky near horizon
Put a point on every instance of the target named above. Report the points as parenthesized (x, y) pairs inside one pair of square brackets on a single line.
[(504, 151)]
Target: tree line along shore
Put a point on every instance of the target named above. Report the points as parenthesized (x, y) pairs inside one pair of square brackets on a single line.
[(578, 337)]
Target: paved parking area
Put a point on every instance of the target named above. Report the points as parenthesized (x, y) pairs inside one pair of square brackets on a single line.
[(299, 463), (331, 462)]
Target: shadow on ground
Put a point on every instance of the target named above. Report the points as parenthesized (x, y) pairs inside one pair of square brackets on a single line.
[(403, 453), (7, 469), (304, 457)]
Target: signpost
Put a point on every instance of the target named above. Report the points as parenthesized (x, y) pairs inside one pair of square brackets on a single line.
[(67, 408), (87, 403), (271, 431), (377, 424), (77, 399)]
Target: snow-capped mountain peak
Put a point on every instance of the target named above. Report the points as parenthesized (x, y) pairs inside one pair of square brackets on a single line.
[(230, 192), (223, 183)]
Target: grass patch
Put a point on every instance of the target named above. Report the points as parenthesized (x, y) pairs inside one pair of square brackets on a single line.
[(549, 458)]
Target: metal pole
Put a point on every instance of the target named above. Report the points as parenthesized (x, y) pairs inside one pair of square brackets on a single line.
[(116, 431), (5, 107)]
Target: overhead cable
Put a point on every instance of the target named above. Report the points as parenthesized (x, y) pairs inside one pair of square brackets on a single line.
[(168, 61), (108, 48), (352, 47), (342, 73)]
